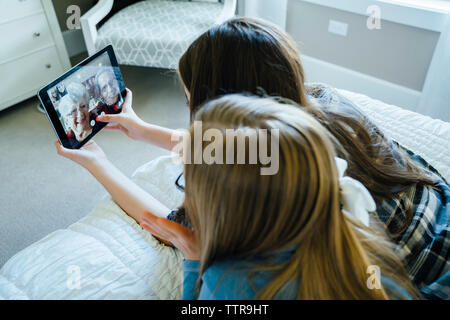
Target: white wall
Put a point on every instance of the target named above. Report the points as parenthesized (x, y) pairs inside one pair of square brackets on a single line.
[(435, 100), (271, 10)]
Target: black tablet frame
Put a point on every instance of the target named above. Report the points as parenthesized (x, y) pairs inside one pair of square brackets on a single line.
[(50, 109)]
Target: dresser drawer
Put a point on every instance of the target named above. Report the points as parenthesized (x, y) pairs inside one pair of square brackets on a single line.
[(13, 9), (29, 73), (30, 34)]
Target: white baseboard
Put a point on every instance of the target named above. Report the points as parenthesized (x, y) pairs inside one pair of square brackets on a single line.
[(321, 71), (74, 42)]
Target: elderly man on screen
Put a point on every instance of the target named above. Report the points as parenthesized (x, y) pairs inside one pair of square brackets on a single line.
[(109, 91)]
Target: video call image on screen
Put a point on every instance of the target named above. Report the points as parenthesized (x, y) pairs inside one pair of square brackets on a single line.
[(89, 92)]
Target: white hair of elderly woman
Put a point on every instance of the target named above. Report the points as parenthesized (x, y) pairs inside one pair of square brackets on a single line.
[(76, 94)]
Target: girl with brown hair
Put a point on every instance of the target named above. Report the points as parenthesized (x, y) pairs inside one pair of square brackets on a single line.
[(245, 55)]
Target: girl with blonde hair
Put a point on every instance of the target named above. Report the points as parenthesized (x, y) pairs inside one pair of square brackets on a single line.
[(290, 235)]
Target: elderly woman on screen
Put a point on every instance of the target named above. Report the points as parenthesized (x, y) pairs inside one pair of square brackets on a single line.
[(74, 110)]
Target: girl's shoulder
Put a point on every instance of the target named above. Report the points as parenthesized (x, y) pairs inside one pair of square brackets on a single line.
[(232, 280), (227, 280), (237, 279)]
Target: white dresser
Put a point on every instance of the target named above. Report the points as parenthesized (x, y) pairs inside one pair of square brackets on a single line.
[(32, 50)]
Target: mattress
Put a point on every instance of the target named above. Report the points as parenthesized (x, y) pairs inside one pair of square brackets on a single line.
[(107, 255)]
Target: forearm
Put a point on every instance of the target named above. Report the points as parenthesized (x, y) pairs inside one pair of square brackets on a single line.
[(160, 136), (127, 194)]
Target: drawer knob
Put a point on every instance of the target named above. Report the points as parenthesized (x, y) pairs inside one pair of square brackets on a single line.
[(37, 34), (48, 65)]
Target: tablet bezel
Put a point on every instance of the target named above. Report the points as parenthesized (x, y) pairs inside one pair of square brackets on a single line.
[(50, 109)]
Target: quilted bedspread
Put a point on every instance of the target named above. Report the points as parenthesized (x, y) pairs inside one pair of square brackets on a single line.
[(107, 255)]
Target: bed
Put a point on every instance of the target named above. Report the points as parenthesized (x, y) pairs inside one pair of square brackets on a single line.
[(107, 255)]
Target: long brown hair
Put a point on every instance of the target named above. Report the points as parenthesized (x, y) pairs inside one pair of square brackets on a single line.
[(247, 55), (237, 213)]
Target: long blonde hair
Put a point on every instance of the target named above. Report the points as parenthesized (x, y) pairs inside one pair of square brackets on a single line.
[(236, 212)]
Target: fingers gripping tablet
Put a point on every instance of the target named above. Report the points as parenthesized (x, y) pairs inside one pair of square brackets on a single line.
[(73, 101)]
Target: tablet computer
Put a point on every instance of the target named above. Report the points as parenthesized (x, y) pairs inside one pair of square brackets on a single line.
[(73, 101)]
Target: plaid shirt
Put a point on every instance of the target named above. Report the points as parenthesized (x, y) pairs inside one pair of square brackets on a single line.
[(424, 246)]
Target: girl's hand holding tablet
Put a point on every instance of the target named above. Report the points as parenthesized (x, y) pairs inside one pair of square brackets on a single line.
[(88, 156), (134, 127), (127, 121)]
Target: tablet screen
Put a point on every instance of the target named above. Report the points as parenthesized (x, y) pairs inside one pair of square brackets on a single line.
[(90, 91)]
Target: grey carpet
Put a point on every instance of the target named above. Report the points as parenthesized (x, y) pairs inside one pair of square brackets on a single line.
[(40, 191)]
